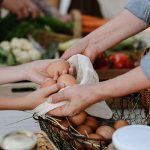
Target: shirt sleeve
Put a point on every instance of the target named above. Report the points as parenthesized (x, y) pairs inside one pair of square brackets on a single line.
[(145, 65), (140, 8)]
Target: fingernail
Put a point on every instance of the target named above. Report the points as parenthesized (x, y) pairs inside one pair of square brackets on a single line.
[(62, 84)]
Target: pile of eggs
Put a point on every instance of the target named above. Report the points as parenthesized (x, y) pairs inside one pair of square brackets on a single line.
[(83, 123), (90, 127), (59, 67)]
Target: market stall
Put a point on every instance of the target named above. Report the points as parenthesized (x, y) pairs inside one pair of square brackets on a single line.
[(49, 36)]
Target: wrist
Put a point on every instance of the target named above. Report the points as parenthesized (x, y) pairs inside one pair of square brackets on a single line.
[(21, 72), (102, 92)]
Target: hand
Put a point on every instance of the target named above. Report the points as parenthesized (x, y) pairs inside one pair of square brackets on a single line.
[(85, 47), (36, 98), (22, 8), (37, 71), (78, 98)]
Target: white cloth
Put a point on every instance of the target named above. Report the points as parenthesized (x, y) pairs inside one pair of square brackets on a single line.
[(85, 75)]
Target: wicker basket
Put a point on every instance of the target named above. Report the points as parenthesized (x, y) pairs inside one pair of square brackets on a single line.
[(130, 109)]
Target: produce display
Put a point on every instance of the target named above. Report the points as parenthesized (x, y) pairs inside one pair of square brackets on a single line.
[(90, 23), (12, 27), (18, 51), (126, 55)]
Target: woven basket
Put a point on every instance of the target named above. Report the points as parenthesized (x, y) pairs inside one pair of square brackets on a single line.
[(130, 109)]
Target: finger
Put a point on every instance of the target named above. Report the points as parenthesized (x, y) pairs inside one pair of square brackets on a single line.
[(65, 71), (72, 70), (69, 53), (34, 9), (51, 89), (58, 97), (58, 112), (25, 12), (56, 76)]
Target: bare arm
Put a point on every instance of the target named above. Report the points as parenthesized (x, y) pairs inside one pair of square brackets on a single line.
[(82, 96), (11, 74), (128, 83), (116, 30), (30, 101)]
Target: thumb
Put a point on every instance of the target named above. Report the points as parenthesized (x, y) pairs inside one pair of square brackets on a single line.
[(77, 48), (58, 97), (51, 89), (69, 53), (59, 112)]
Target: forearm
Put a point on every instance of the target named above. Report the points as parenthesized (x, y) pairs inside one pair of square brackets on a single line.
[(125, 84), (116, 30), (11, 74), (8, 103)]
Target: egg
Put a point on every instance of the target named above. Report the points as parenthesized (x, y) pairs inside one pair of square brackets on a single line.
[(78, 119), (67, 79), (57, 67), (105, 131), (49, 82), (92, 122), (120, 123), (84, 129)]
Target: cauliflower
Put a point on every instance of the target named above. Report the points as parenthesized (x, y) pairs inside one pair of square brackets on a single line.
[(15, 43), (5, 45), (34, 54), (23, 57), (25, 44), (23, 50)]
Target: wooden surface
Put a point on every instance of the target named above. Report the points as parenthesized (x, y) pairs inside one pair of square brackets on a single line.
[(110, 73)]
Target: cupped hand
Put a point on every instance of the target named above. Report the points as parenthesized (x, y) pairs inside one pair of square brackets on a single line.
[(77, 98), (85, 47), (39, 96), (22, 8), (36, 71)]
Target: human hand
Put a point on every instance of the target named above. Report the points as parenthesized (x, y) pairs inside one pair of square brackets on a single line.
[(22, 8), (36, 71), (77, 98), (37, 97), (85, 47)]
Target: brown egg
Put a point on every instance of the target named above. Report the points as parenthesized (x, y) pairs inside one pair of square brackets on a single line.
[(78, 119), (57, 67), (84, 129), (67, 79), (49, 82), (92, 122), (105, 131), (120, 123)]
